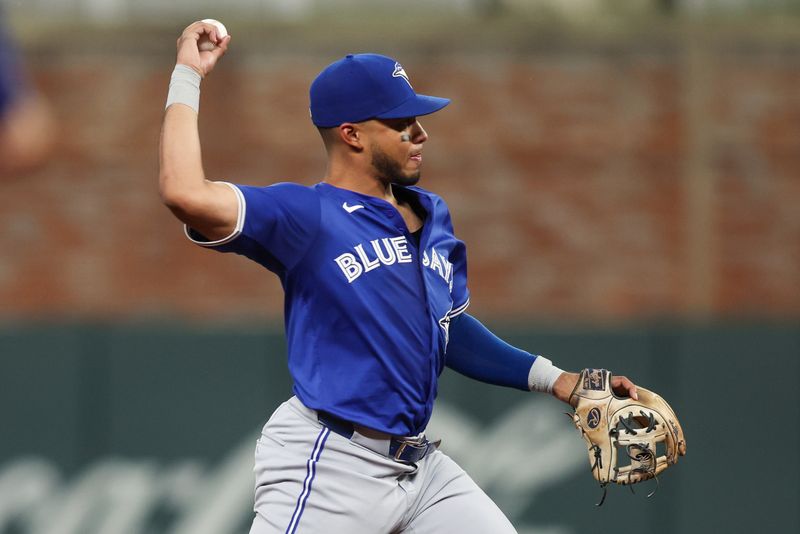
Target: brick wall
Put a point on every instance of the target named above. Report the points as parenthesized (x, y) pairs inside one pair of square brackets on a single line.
[(590, 183)]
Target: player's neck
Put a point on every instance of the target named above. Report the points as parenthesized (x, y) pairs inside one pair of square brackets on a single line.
[(361, 182)]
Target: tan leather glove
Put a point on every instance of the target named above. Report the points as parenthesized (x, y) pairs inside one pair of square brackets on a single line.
[(618, 429)]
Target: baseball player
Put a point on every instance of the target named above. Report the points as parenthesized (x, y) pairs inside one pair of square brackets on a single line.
[(376, 295), (26, 122)]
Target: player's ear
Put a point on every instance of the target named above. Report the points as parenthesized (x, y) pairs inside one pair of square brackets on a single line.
[(351, 135)]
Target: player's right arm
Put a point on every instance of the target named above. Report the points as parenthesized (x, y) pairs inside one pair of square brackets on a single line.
[(208, 207)]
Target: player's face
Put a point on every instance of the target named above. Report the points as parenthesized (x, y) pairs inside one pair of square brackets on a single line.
[(397, 150)]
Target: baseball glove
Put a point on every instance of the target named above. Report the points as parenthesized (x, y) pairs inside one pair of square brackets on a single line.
[(620, 428)]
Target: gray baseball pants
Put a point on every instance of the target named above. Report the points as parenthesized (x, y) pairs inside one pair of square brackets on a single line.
[(310, 480)]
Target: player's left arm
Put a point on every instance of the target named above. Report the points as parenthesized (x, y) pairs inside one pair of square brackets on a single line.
[(474, 351)]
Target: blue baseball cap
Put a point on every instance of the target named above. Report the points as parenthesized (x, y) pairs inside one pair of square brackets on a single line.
[(360, 87)]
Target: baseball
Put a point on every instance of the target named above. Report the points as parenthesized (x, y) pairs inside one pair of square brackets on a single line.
[(204, 44)]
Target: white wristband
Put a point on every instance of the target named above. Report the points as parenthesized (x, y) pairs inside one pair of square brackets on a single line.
[(184, 88), (543, 375)]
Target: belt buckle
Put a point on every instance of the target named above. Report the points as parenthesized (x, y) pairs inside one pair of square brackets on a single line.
[(399, 452), (419, 444)]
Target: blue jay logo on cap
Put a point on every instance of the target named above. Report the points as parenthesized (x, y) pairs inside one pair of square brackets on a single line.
[(399, 72)]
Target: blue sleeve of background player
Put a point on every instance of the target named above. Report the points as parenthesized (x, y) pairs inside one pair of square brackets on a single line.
[(11, 81), (475, 352), (276, 225)]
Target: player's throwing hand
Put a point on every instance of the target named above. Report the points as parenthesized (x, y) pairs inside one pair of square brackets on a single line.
[(189, 53)]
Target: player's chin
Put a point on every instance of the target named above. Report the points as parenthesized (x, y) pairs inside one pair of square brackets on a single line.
[(408, 179)]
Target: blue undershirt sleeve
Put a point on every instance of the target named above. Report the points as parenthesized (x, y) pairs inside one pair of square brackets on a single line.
[(476, 352), (11, 77)]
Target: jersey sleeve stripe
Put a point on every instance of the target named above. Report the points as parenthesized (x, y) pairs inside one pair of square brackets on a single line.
[(237, 229), (461, 309)]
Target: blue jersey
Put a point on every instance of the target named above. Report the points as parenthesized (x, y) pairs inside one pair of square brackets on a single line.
[(367, 309)]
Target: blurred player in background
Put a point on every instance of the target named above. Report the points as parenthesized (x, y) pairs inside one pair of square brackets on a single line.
[(26, 122), (376, 299)]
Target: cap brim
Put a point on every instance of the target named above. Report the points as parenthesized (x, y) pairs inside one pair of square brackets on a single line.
[(416, 106)]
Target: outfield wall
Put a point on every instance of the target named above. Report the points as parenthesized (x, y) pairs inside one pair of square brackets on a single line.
[(151, 429)]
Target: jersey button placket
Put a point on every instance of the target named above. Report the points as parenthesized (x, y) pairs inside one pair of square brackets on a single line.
[(393, 215), (434, 339)]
